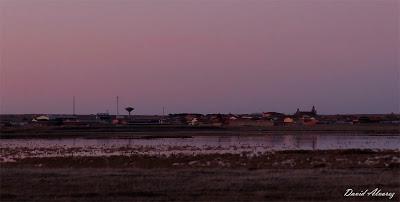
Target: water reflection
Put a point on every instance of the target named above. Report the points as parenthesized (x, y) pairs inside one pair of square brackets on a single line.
[(270, 142)]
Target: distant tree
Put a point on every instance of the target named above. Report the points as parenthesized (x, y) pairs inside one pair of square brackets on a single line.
[(129, 109)]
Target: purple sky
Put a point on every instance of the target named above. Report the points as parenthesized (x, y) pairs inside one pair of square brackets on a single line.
[(208, 56)]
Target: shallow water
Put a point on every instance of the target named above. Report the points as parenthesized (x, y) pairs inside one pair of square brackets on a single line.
[(271, 142), (246, 145)]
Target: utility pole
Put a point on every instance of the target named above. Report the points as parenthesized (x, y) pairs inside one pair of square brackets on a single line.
[(117, 105), (163, 116), (73, 105), (163, 111)]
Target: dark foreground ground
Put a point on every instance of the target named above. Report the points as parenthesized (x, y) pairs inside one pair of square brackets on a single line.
[(102, 184), (278, 176)]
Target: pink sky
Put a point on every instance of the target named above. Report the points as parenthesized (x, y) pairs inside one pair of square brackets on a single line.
[(208, 56)]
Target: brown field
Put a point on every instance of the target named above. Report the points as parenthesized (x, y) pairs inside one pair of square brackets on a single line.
[(193, 184), (277, 176)]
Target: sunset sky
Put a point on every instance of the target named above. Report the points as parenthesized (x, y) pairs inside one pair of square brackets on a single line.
[(205, 56)]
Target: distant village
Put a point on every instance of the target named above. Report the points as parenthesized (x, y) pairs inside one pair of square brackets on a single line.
[(264, 119)]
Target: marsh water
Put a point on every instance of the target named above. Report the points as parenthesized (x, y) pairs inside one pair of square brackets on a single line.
[(14, 149), (271, 142)]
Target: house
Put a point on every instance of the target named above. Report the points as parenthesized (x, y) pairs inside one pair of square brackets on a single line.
[(250, 122), (184, 118), (63, 118), (272, 115), (312, 113), (41, 118), (103, 117), (217, 119), (288, 121), (308, 118), (308, 121), (232, 117), (194, 122), (369, 119)]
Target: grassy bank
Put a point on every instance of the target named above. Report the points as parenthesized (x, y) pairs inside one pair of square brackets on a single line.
[(193, 184), (173, 131), (273, 176)]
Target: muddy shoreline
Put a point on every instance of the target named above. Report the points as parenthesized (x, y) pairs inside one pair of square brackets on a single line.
[(302, 159), (273, 176)]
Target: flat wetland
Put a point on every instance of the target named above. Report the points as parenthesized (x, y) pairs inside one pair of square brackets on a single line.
[(205, 165), (132, 131)]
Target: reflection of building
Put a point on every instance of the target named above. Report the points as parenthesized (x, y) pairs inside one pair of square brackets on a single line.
[(289, 142)]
